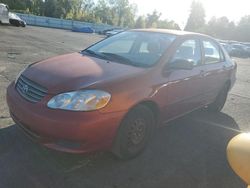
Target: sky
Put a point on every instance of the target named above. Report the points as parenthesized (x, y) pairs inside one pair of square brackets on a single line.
[(178, 10)]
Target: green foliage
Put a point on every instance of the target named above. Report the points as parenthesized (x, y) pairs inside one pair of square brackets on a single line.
[(165, 24), (152, 19), (17, 5), (196, 18), (104, 12), (140, 22), (220, 28), (243, 30)]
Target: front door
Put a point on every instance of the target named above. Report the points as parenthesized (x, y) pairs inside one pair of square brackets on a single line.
[(184, 86)]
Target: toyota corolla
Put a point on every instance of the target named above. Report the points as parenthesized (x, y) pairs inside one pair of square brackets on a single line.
[(112, 95)]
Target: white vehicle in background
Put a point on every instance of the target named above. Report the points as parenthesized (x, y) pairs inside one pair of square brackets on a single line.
[(7, 17), (16, 20), (4, 13), (113, 32)]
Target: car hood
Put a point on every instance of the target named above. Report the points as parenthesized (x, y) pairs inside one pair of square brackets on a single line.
[(76, 71), (14, 16)]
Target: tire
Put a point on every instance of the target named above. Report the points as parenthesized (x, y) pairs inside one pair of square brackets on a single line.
[(17, 24), (220, 100), (14, 22), (134, 133)]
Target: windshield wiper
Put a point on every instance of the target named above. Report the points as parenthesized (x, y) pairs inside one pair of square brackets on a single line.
[(119, 58), (94, 54)]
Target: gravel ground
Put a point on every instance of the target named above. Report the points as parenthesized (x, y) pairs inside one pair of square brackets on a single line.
[(188, 152)]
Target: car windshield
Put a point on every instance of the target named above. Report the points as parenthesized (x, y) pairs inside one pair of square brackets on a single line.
[(135, 48)]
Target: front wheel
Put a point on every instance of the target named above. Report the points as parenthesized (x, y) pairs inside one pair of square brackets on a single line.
[(134, 133), (220, 100)]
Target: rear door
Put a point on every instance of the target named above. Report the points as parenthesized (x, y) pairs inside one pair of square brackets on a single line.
[(214, 69)]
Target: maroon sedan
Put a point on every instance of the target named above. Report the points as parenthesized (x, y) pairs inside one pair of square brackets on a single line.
[(112, 95)]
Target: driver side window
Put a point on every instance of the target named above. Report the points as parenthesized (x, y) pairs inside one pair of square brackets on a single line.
[(190, 51)]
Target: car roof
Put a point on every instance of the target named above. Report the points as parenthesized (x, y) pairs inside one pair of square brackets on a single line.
[(169, 31)]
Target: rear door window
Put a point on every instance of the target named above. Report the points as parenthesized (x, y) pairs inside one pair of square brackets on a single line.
[(212, 53)]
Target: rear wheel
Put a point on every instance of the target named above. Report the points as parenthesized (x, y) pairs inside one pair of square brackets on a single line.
[(134, 133), (220, 100)]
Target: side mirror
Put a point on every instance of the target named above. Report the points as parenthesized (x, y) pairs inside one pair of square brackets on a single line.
[(181, 64)]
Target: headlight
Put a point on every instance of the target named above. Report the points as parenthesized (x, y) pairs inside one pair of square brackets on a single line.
[(80, 100)]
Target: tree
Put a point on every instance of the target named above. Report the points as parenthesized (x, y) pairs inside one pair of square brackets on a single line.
[(15, 4), (104, 12), (56, 8), (129, 19), (165, 24), (140, 22), (173, 25), (121, 7), (220, 28), (37, 7), (196, 20), (66, 7), (152, 19), (242, 31), (124, 12), (50, 8)]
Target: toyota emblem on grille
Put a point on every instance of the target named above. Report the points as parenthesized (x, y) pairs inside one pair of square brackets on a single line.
[(25, 88)]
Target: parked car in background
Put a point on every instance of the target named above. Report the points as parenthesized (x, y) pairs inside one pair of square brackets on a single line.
[(113, 32), (83, 29), (112, 95), (248, 50), (239, 50), (103, 32), (246, 44), (16, 20), (228, 48), (4, 13)]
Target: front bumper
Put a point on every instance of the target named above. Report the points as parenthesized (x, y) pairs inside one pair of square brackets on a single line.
[(75, 132)]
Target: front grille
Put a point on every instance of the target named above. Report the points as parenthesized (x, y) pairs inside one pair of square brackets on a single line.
[(30, 90)]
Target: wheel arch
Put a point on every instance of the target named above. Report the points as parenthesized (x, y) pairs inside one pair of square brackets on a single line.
[(151, 105)]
